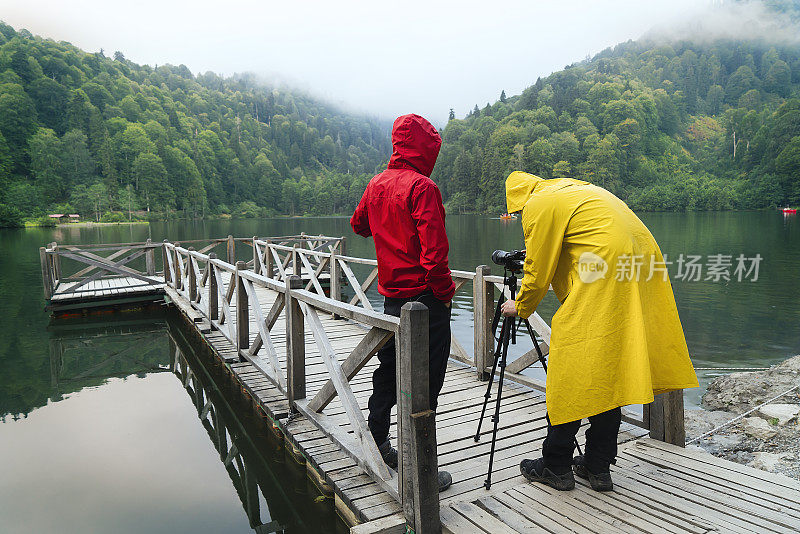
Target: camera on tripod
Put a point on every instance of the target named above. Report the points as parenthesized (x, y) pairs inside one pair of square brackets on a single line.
[(512, 261)]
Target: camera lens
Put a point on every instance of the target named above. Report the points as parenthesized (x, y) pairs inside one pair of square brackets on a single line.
[(499, 256)]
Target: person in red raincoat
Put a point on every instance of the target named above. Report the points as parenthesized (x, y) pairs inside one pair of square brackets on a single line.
[(402, 210)]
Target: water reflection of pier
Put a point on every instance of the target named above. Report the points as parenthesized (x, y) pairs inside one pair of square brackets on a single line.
[(263, 496), (85, 354)]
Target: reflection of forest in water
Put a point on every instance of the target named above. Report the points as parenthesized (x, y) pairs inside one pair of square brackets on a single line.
[(80, 354), (275, 495)]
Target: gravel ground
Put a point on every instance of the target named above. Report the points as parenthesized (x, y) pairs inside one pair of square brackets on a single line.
[(768, 438)]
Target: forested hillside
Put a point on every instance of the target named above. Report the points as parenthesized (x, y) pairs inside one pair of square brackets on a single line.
[(664, 124), (82, 132)]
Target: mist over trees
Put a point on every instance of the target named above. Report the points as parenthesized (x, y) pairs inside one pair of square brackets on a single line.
[(664, 125), (86, 133)]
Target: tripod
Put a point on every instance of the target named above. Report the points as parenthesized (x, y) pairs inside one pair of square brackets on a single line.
[(508, 334)]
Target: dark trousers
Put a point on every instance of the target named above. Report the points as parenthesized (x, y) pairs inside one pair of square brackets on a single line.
[(601, 442), (384, 385)]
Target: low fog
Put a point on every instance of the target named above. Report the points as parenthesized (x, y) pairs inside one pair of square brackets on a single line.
[(383, 58)]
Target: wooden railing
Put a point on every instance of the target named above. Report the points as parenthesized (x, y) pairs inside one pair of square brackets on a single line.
[(227, 295), (312, 278), (72, 267)]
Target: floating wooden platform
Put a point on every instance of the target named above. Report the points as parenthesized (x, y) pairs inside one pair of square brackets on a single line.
[(105, 289), (659, 487)]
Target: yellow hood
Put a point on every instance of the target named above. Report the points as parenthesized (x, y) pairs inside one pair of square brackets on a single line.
[(519, 187)]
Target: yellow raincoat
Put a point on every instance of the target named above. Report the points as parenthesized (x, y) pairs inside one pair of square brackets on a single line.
[(616, 339)]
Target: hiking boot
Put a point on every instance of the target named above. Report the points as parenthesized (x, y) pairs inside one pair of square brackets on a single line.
[(600, 481), (445, 480), (535, 471), (389, 454)]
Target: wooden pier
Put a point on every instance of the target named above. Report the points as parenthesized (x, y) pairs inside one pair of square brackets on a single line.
[(302, 346)]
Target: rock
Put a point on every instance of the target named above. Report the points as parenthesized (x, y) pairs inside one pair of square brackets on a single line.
[(726, 441), (758, 428), (698, 422), (739, 392), (782, 412), (766, 461)]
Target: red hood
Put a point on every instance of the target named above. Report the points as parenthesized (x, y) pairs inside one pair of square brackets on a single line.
[(416, 144)]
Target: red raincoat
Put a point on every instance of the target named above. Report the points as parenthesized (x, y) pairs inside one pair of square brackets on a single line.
[(402, 210)]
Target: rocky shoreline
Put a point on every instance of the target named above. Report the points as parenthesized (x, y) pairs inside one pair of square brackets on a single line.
[(767, 438)]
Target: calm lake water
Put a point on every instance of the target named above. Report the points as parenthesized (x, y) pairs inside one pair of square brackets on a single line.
[(98, 433)]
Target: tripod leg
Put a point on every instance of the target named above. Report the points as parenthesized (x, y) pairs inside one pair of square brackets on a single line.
[(491, 381), (496, 419)]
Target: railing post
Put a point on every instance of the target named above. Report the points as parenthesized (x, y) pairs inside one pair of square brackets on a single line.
[(342, 246), (192, 277), (47, 281), (665, 417), (242, 312), (297, 269), (167, 272), (483, 304), (213, 291), (295, 343), (177, 257), (269, 267), (418, 466), (150, 258), (56, 260), (336, 279), (256, 257), (231, 250)]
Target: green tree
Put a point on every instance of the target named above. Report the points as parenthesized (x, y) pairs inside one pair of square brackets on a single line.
[(151, 179), (76, 162), (739, 83), (126, 200), (6, 164), (128, 145), (51, 99), (10, 217), (17, 122), (779, 78), (603, 163), (788, 166), (539, 158), (562, 169), (45, 149)]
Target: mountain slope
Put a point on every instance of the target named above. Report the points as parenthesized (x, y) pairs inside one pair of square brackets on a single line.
[(665, 124), (85, 132)]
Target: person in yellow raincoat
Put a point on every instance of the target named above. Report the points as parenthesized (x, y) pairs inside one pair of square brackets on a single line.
[(616, 338)]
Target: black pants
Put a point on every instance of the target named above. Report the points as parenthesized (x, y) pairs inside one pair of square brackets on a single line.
[(601, 442), (384, 386)]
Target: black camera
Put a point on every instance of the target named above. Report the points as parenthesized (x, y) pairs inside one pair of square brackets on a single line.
[(513, 260)]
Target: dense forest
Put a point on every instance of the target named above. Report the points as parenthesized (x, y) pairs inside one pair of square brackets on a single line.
[(106, 138), (665, 125)]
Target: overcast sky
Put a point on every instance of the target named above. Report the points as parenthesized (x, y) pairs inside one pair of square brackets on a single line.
[(381, 57)]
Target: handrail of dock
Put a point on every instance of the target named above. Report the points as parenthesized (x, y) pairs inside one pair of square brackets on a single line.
[(313, 277)]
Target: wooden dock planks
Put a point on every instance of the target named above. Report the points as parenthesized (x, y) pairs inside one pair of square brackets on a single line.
[(658, 487), (104, 288)]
